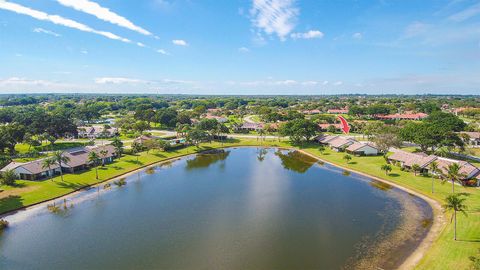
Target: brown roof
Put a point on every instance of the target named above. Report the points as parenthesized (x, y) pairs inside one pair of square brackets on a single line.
[(472, 135), (412, 158), (326, 139), (340, 141), (358, 145), (36, 167), (466, 168)]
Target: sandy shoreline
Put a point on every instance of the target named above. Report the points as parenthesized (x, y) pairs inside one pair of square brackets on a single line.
[(410, 262)]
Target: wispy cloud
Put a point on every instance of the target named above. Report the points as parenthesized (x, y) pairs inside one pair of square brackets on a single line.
[(357, 35), (466, 14), (274, 16), (415, 29), (48, 32), (103, 13), (162, 51), (180, 42), (243, 49), (118, 80), (307, 35), (40, 15)]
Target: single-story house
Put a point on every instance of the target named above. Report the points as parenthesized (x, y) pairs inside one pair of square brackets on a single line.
[(220, 119), (143, 138), (247, 126), (466, 169), (340, 143), (474, 137), (324, 127), (311, 111), (407, 159), (338, 111), (405, 116), (98, 131), (362, 149), (325, 139), (32, 170)]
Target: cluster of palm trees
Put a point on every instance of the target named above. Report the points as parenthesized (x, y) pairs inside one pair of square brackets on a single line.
[(58, 158), (454, 202)]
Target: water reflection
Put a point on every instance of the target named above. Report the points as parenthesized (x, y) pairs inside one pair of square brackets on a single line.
[(380, 185), (261, 154), (206, 159), (295, 161)]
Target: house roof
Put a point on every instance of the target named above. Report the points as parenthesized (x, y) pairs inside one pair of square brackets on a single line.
[(325, 126), (411, 158), (11, 166), (359, 145), (340, 141), (325, 139), (36, 166), (466, 168)]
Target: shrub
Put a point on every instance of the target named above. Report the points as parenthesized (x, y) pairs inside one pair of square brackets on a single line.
[(3, 224), (8, 177)]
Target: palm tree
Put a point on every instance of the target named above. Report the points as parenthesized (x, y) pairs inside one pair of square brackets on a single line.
[(434, 169), (47, 164), (456, 203), (453, 173), (321, 149), (103, 154), (93, 158), (60, 159), (347, 158), (136, 148), (387, 168), (118, 144), (415, 168)]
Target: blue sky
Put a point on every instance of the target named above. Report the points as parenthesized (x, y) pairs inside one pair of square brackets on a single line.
[(240, 46)]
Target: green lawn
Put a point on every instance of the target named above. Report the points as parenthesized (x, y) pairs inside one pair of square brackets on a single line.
[(444, 253), (22, 148)]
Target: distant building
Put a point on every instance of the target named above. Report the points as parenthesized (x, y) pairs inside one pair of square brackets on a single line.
[(247, 126), (338, 111), (474, 138), (399, 116), (99, 131), (324, 127)]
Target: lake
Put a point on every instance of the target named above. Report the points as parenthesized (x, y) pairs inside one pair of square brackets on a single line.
[(242, 208)]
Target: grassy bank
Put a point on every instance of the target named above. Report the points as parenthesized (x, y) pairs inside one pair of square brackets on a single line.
[(444, 253)]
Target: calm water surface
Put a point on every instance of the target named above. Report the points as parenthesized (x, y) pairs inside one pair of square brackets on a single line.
[(246, 208)]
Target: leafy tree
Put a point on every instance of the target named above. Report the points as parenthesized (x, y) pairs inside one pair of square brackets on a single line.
[(196, 136), (456, 203), (118, 144), (446, 121), (136, 148), (8, 178), (299, 130), (321, 149), (140, 126), (60, 159), (347, 158), (386, 138)]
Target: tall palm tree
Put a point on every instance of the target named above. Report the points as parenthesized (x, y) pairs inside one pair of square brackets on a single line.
[(454, 175), (60, 159), (103, 154), (456, 203), (93, 158), (118, 144), (434, 169), (47, 164)]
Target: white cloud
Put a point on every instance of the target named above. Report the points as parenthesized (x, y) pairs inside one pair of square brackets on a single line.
[(39, 15), (307, 35), (140, 44), (243, 49), (325, 82), (117, 80), (274, 16), (310, 83), (103, 13), (23, 81), (162, 51), (286, 82), (84, 51), (466, 14), (415, 29), (357, 35), (338, 83), (180, 42), (48, 32)]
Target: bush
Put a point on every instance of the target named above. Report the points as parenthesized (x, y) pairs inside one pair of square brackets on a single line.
[(3, 224), (8, 178)]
